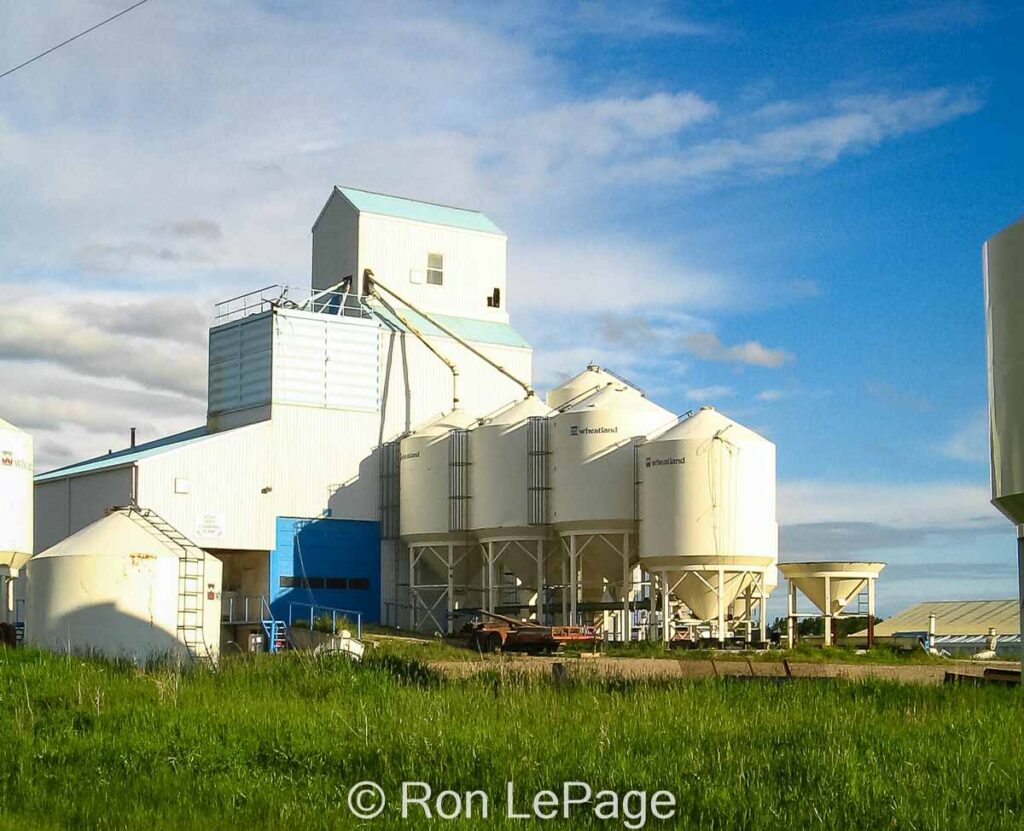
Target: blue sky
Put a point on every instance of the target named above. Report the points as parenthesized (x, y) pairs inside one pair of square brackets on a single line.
[(776, 209)]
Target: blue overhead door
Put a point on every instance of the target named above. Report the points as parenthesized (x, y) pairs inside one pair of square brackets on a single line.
[(328, 562)]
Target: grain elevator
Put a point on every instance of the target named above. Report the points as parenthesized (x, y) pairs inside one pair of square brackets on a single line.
[(373, 444)]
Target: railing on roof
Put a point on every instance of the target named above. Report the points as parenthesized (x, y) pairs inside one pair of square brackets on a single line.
[(261, 300)]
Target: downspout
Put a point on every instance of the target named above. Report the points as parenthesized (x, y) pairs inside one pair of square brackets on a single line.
[(371, 283)]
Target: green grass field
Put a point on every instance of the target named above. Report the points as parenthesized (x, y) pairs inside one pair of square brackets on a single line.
[(276, 742)]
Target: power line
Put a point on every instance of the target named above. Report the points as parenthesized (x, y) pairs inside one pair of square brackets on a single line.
[(76, 37)]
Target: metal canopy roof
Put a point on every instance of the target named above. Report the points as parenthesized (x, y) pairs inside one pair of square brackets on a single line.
[(954, 617), (467, 328), (399, 206), (124, 457)]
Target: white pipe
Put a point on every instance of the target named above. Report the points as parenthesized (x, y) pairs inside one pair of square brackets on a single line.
[(422, 338), (370, 280)]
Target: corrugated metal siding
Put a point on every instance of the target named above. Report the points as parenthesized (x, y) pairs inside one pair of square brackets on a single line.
[(226, 474), (325, 461), (325, 361), (64, 506), (240, 362), (307, 548), (352, 379), (474, 264)]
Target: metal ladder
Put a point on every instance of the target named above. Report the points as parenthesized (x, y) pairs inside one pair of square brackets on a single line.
[(191, 580)]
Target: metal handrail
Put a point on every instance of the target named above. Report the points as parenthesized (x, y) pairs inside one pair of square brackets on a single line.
[(251, 605), (339, 303), (334, 613)]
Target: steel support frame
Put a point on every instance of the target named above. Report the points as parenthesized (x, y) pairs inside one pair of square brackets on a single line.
[(793, 614), (572, 567), (757, 582), (445, 553), (495, 549)]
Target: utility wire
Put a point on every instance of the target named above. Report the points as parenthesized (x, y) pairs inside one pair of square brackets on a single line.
[(70, 39)]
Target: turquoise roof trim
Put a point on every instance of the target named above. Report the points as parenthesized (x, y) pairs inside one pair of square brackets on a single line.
[(467, 328), (125, 457), (381, 203)]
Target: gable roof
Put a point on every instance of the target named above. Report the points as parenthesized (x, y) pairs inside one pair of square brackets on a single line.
[(367, 201)]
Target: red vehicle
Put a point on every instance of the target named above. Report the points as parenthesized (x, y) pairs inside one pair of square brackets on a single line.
[(511, 635)]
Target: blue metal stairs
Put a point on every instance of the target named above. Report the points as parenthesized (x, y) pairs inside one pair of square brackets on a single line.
[(276, 630)]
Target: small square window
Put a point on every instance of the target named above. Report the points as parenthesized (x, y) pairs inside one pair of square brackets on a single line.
[(435, 269)]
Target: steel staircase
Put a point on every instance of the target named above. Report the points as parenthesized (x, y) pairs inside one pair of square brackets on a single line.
[(191, 579), (276, 630)]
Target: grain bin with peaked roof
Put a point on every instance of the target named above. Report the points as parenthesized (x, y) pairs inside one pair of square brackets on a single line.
[(707, 513), (592, 496), (590, 380), (113, 589), (509, 476)]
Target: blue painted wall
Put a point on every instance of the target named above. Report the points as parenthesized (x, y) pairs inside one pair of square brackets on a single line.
[(339, 557)]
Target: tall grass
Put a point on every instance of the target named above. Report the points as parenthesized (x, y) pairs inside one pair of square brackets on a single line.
[(276, 741)]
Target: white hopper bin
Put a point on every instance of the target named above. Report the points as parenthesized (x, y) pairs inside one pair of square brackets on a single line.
[(15, 509), (831, 586), (445, 566), (509, 472), (1003, 257), (707, 517), (590, 380), (593, 493)]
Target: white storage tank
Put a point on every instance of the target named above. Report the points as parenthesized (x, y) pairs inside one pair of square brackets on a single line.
[(1004, 310), (509, 471), (707, 511), (112, 589), (590, 380), (500, 456), (592, 453), (15, 509), (424, 478), (445, 564)]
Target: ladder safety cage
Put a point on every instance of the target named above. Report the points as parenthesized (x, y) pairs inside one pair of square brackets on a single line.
[(191, 580), (458, 480), (538, 488), (638, 449), (390, 490)]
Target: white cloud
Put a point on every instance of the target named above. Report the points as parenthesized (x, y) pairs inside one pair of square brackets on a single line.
[(853, 124), (107, 336), (903, 505), (933, 17), (182, 154), (969, 442), (770, 395), (707, 347), (639, 20), (703, 395), (612, 275), (830, 520)]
